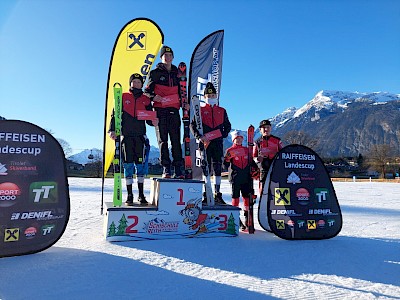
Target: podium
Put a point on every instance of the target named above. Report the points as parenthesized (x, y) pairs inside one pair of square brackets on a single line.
[(175, 210)]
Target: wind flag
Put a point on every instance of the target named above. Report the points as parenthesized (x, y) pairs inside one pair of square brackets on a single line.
[(205, 66), (135, 51)]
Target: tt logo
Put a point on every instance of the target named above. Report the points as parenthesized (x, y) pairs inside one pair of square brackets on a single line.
[(136, 40)]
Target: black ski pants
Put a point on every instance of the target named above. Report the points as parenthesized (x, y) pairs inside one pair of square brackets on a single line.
[(169, 125)]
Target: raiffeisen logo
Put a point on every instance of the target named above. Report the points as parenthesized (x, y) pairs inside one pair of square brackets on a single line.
[(9, 193)]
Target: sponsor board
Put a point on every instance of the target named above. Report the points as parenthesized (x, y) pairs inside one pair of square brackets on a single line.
[(298, 200), (34, 196)]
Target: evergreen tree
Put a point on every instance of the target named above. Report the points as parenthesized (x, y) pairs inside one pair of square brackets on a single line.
[(123, 224), (231, 229), (111, 229)]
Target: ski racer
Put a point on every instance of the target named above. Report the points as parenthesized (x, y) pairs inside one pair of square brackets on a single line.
[(164, 90), (236, 159), (216, 127), (265, 148), (134, 139)]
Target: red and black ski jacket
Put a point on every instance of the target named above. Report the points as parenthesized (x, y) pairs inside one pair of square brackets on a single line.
[(267, 147), (213, 118), (165, 84), (237, 160), (132, 102)]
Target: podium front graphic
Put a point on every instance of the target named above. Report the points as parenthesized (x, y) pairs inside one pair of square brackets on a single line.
[(175, 210)]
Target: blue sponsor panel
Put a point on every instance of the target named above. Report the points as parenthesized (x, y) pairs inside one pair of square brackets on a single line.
[(298, 199), (34, 196), (175, 211), (205, 66)]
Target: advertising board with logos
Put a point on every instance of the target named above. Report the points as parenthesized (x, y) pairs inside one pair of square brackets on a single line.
[(298, 200), (34, 196)]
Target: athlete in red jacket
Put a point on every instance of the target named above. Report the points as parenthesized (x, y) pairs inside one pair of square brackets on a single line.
[(216, 127), (133, 132), (163, 89), (265, 148), (237, 160)]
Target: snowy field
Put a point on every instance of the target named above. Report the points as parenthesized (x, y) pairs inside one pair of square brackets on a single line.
[(362, 262)]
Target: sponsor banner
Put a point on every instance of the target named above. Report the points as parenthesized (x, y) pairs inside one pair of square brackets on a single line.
[(298, 200), (34, 196), (135, 51), (205, 66)]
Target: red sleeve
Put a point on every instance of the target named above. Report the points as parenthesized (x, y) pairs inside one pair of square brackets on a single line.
[(255, 150)]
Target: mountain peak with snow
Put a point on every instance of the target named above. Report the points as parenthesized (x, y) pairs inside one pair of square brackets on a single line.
[(87, 156), (330, 101)]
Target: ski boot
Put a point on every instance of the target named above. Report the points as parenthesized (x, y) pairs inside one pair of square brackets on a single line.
[(242, 226), (204, 202), (142, 200), (166, 172), (129, 200), (246, 218), (179, 173), (218, 198)]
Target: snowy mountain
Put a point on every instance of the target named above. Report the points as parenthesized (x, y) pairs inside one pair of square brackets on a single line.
[(83, 157), (345, 123), (87, 156), (332, 101), (341, 123)]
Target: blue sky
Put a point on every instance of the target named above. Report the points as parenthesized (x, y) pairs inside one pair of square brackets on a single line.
[(54, 55)]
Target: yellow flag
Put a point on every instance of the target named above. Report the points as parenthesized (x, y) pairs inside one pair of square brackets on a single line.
[(134, 51)]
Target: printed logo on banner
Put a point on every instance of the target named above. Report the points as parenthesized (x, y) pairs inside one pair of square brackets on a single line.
[(47, 229), (311, 224), (286, 212), (282, 196), (280, 224), (331, 222), (321, 223), (301, 223), (136, 40), (319, 211), (30, 232), (35, 215), (9, 193), (321, 194), (306, 177), (293, 178), (22, 167), (291, 223), (303, 196), (3, 169), (43, 192), (11, 235)]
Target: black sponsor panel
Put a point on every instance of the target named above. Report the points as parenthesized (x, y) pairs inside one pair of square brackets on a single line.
[(298, 199), (34, 196)]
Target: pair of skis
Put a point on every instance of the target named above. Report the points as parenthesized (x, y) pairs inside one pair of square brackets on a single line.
[(117, 168), (250, 145), (201, 155)]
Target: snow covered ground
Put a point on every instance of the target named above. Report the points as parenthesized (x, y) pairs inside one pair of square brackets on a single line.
[(362, 262)]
